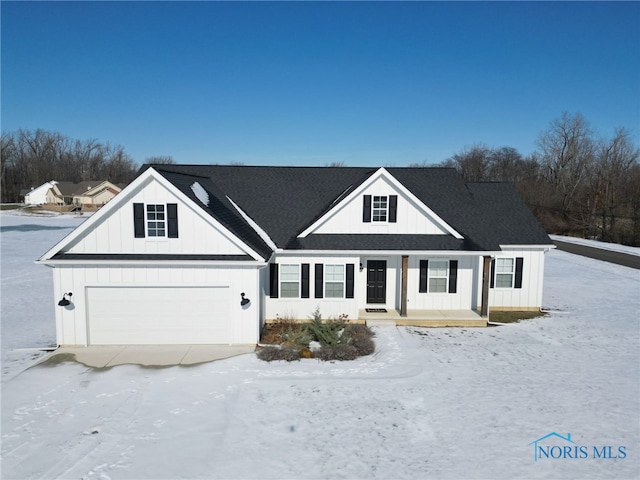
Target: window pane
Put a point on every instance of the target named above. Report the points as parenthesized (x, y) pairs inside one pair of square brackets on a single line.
[(289, 290), (438, 268), (503, 280), (333, 290), (379, 216), (504, 265), (289, 273), (379, 211), (438, 285), (379, 202), (155, 221), (334, 273), (290, 281)]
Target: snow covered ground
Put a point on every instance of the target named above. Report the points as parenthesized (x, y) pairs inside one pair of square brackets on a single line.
[(431, 403)]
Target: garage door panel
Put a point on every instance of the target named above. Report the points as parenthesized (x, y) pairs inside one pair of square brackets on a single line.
[(158, 315)]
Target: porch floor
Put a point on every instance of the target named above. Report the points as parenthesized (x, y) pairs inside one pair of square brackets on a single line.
[(426, 318)]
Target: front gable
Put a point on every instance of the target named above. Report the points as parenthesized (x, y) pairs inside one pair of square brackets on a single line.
[(380, 205), (99, 194), (152, 217)]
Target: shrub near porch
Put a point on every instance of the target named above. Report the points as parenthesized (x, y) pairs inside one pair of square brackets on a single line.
[(324, 340)]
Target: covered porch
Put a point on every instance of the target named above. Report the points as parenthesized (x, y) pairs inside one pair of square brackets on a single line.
[(425, 318)]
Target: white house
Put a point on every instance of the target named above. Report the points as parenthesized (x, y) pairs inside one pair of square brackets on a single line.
[(204, 254), (38, 195)]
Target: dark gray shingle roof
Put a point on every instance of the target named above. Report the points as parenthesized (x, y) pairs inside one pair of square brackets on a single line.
[(284, 201)]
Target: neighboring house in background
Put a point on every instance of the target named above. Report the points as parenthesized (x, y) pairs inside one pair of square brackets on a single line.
[(202, 254), (89, 195), (38, 195)]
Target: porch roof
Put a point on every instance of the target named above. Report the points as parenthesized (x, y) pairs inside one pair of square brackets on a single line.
[(347, 242)]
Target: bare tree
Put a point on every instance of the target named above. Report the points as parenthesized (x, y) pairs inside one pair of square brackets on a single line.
[(611, 173), (472, 163), (160, 160), (567, 151), (30, 158)]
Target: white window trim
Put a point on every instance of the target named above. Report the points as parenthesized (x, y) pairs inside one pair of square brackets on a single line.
[(512, 273), (385, 209), (429, 276), (280, 281), (325, 281), (164, 221)]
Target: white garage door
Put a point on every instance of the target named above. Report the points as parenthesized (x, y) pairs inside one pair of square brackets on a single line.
[(158, 315)]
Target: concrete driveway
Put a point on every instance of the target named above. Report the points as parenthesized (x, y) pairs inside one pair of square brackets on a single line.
[(146, 355)]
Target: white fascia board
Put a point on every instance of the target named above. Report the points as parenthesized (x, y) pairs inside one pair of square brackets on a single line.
[(187, 263), (386, 253), (258, 229), (381, 172), (124, 196)]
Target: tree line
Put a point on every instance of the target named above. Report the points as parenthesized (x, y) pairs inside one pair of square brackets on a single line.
[(576, 183), (31, 158)]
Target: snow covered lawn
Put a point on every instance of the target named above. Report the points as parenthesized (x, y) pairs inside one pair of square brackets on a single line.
[(431, 403)]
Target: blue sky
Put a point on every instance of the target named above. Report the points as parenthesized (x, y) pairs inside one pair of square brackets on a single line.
[(383, 83)]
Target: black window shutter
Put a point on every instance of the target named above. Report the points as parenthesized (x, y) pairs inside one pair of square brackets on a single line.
[(172, 219), (304, 287), (393, 208), (493, 273), (366, 208), (273, 280), (424, 265), (350, 280), (319, 281), (453, 276), (138, 220), (518, 280)]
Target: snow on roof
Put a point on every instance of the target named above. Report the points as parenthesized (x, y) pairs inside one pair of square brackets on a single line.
[(200, 193)]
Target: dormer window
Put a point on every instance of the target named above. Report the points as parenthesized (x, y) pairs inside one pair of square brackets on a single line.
[(379, 208)]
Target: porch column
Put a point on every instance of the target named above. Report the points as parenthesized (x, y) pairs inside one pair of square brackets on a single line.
[(486, 274), (403, 294)]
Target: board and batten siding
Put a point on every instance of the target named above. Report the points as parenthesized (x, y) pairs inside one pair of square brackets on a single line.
[(115, 234), (347, 218), (302, 308), (72, 323), (530, 295), (462, 299)]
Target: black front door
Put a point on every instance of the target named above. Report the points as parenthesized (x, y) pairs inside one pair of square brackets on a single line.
[(376, 281)]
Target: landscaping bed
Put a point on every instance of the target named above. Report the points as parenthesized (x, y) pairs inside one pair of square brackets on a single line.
[(325, 340)]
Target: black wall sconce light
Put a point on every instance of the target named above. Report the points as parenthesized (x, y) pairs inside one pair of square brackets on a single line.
[(66, 299), (245, 301), (361, 267)]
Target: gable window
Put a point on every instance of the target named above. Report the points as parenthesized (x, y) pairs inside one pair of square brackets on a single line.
[(379, 213), (155, 220), (379, 208), (156, 223), (334, 281), (506, 272), (289, 281)]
